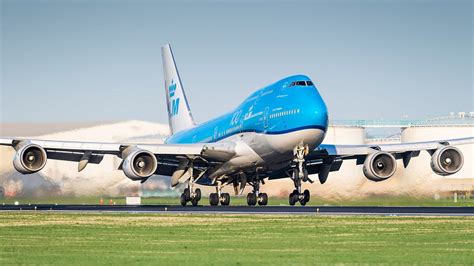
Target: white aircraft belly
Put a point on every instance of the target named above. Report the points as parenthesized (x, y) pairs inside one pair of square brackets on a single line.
[(259, 149)]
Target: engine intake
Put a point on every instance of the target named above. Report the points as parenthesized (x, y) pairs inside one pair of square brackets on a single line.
[(447, 160), (29, 158), (139, 164), (379, 166)]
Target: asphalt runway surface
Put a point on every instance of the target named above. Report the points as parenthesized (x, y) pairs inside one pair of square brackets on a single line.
[(326, 210)]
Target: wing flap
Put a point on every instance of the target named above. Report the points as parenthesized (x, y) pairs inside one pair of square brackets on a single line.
[(73, 157)]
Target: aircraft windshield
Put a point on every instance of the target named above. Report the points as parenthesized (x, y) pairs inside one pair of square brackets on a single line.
[(301, 83)]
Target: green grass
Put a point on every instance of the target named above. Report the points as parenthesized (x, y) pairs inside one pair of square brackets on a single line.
[(111, 238), (372, 201)]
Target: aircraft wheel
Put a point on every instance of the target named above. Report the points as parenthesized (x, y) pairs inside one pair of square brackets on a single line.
[(197, 193), (195, 201), (225, 199), (183, 200), (262, 199), (302, 202), (293, 198), (306, 195), (251, 199), (213, 199), (187, 194)]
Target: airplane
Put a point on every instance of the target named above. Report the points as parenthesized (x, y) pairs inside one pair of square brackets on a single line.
[(274, 133)]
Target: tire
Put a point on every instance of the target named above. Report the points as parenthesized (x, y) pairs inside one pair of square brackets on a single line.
[(302, 202), (251, 199), (225, 199), (195, 201), (197, 193), (187, 194), (183, 200), (294, 198), (290, 199), (307, 195), (213, 199), (262, 199)]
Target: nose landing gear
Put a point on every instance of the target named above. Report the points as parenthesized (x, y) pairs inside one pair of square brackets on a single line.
[(300, 174)]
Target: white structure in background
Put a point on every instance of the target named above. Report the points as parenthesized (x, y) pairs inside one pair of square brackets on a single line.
[(345, 134), (133, 200)]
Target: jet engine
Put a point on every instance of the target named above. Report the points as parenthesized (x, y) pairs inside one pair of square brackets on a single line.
[(379, 166), (29, 158), (447, 160), (139, 164)]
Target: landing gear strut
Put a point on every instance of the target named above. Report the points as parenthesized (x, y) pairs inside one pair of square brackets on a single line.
[(298, 175), (255, 196), (219, 197), (190, 194)]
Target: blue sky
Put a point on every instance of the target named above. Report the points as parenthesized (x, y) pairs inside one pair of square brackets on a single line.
[(72, 61)]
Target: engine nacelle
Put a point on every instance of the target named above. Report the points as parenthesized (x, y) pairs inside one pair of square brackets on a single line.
[(447, 160), (139, 164), (29, 158), (379, 166)]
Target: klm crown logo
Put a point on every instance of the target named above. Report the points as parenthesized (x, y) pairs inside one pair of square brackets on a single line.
[(174, 103), (172, 88)]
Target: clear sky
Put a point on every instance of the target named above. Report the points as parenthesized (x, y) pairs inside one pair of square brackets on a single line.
[(71, 61)]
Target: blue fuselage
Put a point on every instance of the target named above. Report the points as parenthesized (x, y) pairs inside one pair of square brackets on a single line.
[(289, 105)]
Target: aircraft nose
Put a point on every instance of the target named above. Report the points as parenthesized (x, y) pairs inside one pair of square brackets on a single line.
[(321, 116)]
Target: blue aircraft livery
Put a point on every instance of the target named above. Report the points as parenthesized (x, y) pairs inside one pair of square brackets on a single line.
[(174, 105), (275, 109), (172, 88), (276, 132)]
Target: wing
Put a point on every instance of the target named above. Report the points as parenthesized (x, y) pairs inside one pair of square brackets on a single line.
[(380, 160), (140, 161)]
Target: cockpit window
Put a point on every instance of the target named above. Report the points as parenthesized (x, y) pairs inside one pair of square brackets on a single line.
[(301, 83)]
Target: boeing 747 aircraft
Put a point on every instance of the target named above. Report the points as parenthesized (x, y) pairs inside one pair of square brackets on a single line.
[(275, 133)]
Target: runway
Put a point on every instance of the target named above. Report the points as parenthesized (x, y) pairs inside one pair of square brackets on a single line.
[(323, 210)]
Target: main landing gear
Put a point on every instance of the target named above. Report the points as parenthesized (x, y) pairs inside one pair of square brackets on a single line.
[(190, 194), (255, 196), (298, 175), (219, 197)]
